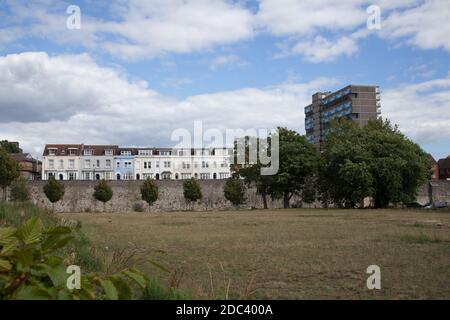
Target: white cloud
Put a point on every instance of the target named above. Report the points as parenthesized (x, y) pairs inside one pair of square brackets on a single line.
[(322, 50), (426, 26), (70, 99), (226, 60), (421, 110)]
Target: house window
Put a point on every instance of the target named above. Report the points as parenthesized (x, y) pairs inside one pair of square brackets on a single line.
[(63, 152), (61, 164), (127, 164), (87, 176), (205, 176), (147, 176), (108, 175), (72, 176), (87, 164), (118, 164), (205, 164), (109, 152), (72, 152), (166, 164), (224, 175), (185, 176), (51, 164), (88, 152), (166, 176), (108, 163), (98, 163), (157, 164), (145, 152), (71, 164), (145, 165), (51, 175), (125, 153), (52, 152), (165, 153)]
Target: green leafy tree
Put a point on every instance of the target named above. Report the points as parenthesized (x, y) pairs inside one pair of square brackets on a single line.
[(149, 191), (234, 191), (9, 170), (10, 147), (375, 161), (251, 172), (19, 190), (103, 193), (54, 190), (191, 190), (299, 162)]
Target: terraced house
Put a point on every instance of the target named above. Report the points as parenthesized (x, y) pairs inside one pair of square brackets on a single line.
[(111, 162)]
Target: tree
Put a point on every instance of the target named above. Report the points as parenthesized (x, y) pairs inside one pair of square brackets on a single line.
[(103, 193), (149, 191), (299, 161), (251, 172), (54, 190), (234, 191), (19, 190), (375, 161), (191, 190), (10, 147), (9, 170)]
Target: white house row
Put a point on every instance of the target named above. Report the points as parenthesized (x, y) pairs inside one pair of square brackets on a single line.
[(96, 162)]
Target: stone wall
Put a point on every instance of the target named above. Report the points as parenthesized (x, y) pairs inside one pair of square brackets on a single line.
[(78, 196)]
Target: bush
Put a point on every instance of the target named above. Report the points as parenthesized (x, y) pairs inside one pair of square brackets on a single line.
[(191, 190), (138, 207), (103, 192), (19, 190), (9, 170), (30, 268), (234, 191), (54, 191), (149, 191)]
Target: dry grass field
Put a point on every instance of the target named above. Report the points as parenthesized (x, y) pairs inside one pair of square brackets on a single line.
[(286, 254)]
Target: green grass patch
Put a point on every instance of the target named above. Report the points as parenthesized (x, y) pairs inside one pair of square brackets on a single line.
[(420, 239)]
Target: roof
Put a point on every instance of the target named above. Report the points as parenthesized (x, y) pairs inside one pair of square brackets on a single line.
[(430, 157), (99, 150), (62, 149), (23, 157), (444, 163)]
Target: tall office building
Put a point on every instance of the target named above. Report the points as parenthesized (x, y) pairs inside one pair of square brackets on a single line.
[(356, 102)]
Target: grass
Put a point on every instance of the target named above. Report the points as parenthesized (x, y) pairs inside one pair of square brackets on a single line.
[(286, 254)]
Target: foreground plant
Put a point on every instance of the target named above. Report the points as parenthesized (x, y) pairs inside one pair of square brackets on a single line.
[(31, 267)]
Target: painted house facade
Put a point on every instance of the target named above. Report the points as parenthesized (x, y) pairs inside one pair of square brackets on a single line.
[(111, 162)]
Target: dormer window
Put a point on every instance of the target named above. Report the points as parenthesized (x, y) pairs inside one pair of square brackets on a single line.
[(88, 152), (52, 152), (125, 153), (145, 152), (109, 152)]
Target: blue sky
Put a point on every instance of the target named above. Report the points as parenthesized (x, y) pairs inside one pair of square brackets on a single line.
[(137, 70)]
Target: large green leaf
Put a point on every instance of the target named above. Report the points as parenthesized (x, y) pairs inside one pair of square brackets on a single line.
[(122, 287), (5, 265), (110, 290), (56, 241), (31, 292), (136, 276), (6, 234), (31, 231)]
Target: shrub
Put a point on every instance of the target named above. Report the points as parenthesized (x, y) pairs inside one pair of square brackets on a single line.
[(103, 193), (9, 170), (149, 191), (138, 207), (30, 268), (234, 191), (191, 190), (54, 191), (19, 190)]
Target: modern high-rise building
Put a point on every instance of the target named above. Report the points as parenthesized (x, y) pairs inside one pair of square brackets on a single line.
[(356, 102)]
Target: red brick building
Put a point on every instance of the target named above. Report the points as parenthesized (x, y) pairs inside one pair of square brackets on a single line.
[(444, 168)]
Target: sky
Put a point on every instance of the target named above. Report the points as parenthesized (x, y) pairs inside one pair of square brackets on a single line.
[(132, 72)]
